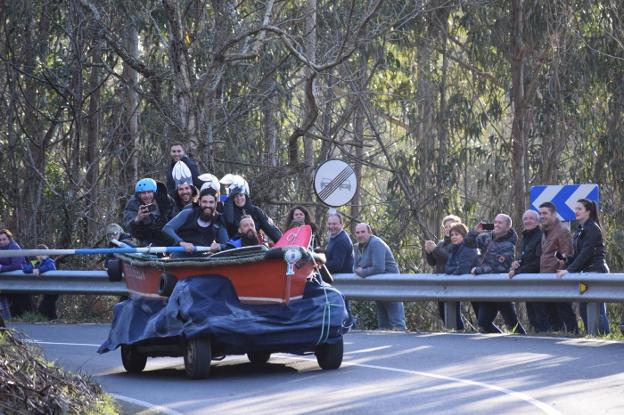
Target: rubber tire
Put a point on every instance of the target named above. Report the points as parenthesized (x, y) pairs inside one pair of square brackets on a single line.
[(166, 284), (329, 356), (197, 358), (133, 361), (113, 269), (259, 357)]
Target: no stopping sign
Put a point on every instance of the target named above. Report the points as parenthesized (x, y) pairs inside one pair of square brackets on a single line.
[(335, 183)]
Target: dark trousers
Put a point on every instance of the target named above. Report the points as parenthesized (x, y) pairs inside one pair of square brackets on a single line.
[(552, 317), (20, 304), (47, 306), (487, 314), (460, 323)]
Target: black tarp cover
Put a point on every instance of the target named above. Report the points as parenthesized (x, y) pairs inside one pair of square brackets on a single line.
[(208, 307)]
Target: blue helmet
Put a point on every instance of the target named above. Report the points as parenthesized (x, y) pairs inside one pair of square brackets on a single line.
[(145, 185)]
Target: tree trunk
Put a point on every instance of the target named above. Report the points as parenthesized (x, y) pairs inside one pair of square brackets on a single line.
[(518, 132), (93, 127), (129, 169), (308, 142)]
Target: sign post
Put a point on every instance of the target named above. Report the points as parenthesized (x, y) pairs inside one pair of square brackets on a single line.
[(564, 197)]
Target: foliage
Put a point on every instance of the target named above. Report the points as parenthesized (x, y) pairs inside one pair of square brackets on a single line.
[(418, 96)]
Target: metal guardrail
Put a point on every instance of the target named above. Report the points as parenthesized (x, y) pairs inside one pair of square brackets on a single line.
[(592, 288), (61, 282)]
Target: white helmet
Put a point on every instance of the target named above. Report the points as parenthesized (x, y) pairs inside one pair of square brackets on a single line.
[(210, 181), (235, 184), (181, 174)]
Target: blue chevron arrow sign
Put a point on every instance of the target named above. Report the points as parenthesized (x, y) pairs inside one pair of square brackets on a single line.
[(564, 197)]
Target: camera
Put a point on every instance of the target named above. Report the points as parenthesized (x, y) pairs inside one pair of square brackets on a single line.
[(560, 256), (487, 226), (150, 208)]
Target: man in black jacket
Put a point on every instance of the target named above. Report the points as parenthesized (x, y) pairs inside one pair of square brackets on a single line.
[(529, 263), (148, 211)]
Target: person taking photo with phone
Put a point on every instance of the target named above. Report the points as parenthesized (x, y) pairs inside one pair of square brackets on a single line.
[(147, 211), (496, 255)]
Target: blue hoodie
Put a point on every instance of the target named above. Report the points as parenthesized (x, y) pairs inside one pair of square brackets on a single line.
[(46, 265), (12, 263)]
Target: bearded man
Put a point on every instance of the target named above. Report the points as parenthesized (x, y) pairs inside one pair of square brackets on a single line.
[(199, 225)]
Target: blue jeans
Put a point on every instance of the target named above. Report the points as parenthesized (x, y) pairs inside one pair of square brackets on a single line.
[(390, 315), (603, 325)]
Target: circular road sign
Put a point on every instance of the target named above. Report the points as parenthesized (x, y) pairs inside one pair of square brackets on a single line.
[(335, 183)]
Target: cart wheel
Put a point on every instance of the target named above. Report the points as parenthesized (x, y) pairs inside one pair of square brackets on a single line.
[(113, 269), (197, 358), (166, 285), (133, 361), (329, 356), (259, 357)]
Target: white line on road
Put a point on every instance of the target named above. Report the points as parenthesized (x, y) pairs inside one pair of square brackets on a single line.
[(155, 409), (518, 395)]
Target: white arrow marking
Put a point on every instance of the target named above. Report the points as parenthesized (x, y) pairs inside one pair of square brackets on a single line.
[(583, 191)]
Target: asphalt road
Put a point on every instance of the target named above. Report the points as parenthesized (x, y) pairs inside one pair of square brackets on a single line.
[(383, 373)]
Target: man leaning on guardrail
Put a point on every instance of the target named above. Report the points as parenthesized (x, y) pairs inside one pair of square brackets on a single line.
[(373, 256), (497, 252)]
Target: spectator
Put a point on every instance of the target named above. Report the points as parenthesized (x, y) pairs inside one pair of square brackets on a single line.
[(589, 255), (373, 256), (44, 263), (15, 304), (556, 238), (148, 211), (339, 251), (497, 253), (298, 216), (460, 261), (529, 263), (177, 153), (437, 256)]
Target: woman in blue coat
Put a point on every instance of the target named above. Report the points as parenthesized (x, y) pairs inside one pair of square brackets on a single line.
[(461, 258)]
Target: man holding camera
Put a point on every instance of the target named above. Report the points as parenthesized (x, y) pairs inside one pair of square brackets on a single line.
[(497, 253), (148, 211)]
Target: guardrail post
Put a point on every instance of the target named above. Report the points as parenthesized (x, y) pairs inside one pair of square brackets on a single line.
[(593, 318), (450, 316)]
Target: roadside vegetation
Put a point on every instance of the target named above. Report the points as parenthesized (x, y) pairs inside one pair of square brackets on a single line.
[(31, 385)]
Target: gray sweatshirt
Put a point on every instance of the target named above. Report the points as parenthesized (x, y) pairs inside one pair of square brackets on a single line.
[(375, 258)]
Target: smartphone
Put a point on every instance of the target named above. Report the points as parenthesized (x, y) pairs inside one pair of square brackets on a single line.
[(151, 207), (487, 226)]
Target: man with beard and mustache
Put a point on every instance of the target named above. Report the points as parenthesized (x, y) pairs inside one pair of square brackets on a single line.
[(247, 234), (148, 211), (199, 225), (185, 195)]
